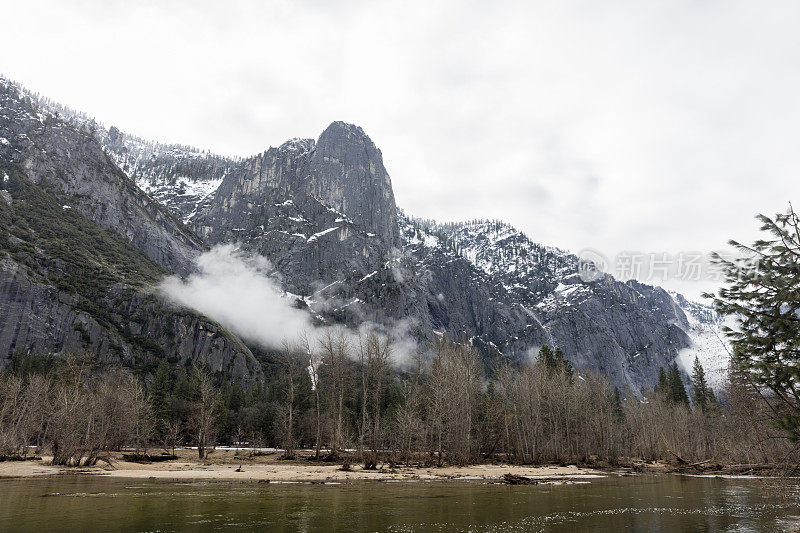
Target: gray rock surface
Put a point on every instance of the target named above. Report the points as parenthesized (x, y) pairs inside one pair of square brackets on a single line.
[(323, 212), (74, 164), (307, 206), (67, 209), (346, 172), (37, 318)]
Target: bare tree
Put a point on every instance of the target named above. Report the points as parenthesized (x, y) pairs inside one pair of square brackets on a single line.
[(411, 432), (204, 409), (72, 427), (290, 367), (375, 355), (171, 436), (334, 350), (363, 359), (23, 412), (452, 397)]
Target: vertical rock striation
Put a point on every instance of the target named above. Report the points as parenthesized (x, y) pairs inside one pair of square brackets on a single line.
[(323, 212)]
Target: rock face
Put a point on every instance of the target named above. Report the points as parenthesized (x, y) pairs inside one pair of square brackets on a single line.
[(346, 172), (37, 318), (489, 283), (343, 172), (81, 249), (57, 155), (323, 212)]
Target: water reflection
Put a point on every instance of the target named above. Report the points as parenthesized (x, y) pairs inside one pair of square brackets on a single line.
[(642, 503)]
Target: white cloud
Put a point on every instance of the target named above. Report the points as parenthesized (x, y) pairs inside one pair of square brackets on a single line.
[(651, 126), (239, 290)]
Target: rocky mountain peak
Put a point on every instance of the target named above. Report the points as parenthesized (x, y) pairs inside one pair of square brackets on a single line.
[(297, 146), (346, 172), (323, 212), (339, 128)]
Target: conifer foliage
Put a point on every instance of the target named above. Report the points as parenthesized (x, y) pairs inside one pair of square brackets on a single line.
[(555, 361), (670, 385), (662, 387), (677, 390), (762, 293), (702, 395)]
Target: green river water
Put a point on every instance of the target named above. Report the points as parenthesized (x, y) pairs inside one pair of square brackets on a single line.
[(636, 503)]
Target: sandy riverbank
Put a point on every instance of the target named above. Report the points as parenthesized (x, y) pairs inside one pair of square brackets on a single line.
[(230, 465)]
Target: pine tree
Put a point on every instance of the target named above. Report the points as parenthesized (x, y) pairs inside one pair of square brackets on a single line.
[(234, 397), (256, 393), (677, 391), (562, 363), (616, 405), (182, 388), (702, 394), (662, 387), (159, 391), (762, 293), (546, 357)]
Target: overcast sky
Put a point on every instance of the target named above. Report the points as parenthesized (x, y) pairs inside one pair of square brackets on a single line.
[(645, 126)]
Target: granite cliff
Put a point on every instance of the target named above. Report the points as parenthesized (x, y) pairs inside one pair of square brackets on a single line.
[(81, 250), (323, 212)]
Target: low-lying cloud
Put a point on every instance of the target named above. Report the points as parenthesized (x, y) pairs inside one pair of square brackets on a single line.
[(242, 292)]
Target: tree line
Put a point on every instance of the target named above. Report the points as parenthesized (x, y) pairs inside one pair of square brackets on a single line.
[(344, 400), (341, 398)]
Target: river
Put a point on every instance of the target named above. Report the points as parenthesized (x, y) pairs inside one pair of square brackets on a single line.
[(614, 503)]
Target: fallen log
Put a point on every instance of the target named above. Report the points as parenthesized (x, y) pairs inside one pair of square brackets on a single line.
[(687, 466), (144, 458), (680, 459), (19, 458), (754, 466), (747, 469), (514, 479)]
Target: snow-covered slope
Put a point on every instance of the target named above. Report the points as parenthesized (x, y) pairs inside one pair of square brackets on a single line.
[(624, 330), (180, 177), (529, 270), (709, 344), (544, 281)]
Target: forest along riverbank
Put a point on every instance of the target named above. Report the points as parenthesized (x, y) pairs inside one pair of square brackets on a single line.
[(226, 465)]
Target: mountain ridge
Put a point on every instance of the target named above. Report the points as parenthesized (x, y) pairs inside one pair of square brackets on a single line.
[(81, 250), (323, 212)]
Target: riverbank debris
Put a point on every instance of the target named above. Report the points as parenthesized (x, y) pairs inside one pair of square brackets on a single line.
[(514, 479)]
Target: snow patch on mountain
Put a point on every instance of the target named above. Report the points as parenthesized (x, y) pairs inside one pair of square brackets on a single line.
[(184, 190), (317, 235), (709, 343), (179, 177)]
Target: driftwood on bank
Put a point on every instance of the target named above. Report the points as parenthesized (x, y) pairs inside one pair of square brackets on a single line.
[(145, 458), (514, 479), (688, 466), (19, 458), (680, 459), (709, 466)]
